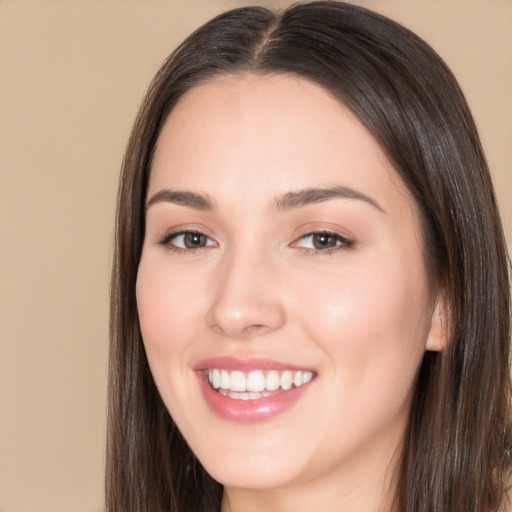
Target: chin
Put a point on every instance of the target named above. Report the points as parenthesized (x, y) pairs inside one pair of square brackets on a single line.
[(260, 463), (257, 475)]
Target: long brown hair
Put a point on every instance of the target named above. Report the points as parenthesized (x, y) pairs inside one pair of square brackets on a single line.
[(455, 450)]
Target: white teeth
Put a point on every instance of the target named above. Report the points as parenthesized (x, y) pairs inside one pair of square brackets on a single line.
[(224, 379), (215, 378), (255, 384), (287, 380), (306, 377), (256, 381), (273, 381), (237, 381)]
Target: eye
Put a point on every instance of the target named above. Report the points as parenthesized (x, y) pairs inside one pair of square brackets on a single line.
[(187, 240), (323, 241)]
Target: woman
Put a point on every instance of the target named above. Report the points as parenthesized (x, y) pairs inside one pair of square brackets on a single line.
[(310, 299)]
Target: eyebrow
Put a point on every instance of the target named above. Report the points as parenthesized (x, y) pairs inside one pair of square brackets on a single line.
[(182, 198), (288, 201), (309, 196)]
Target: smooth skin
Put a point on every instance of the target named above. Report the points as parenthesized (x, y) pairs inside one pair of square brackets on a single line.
[(335, 283)]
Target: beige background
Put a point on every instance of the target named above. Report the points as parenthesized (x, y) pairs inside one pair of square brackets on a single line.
[(72, 74)]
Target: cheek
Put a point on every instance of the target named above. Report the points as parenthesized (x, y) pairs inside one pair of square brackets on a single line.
[(166, 317), (165, 303), (371, 317), (168, 322), (155, 310)]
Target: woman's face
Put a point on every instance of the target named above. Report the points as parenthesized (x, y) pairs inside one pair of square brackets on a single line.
[(282, 253)]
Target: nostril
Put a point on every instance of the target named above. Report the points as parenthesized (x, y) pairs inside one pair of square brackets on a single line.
[(253, 329), (242, 313)]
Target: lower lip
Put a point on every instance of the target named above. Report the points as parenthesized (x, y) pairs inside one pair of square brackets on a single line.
[(249, 411)]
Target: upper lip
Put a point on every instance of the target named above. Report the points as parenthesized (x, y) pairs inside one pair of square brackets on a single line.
[(246, 364)]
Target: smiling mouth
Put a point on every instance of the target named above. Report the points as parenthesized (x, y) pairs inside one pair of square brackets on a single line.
[(255, 384)]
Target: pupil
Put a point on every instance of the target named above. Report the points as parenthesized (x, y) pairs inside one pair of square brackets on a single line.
[(322, 240), (193, 240)]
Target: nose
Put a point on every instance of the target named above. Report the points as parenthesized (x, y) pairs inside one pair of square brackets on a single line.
[(247, 299)]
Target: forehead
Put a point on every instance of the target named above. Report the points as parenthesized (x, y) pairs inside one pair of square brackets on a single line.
[(279, 130)]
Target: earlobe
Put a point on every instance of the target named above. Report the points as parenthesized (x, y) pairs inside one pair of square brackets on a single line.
[(437, 338)]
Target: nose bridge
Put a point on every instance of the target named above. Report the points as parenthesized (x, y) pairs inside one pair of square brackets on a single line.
[(246, 300)]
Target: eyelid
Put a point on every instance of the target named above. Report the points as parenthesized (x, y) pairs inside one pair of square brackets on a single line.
[(166, 240), (342, 241), (345, 243)]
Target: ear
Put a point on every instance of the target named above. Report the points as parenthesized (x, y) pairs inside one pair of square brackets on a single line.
[(437, 338)]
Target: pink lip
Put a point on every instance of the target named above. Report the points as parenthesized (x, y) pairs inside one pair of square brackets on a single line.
[(245, 365), (247, 411)]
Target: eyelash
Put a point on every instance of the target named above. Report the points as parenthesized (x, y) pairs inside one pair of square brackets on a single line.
[(166, 241), (341, 242)]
